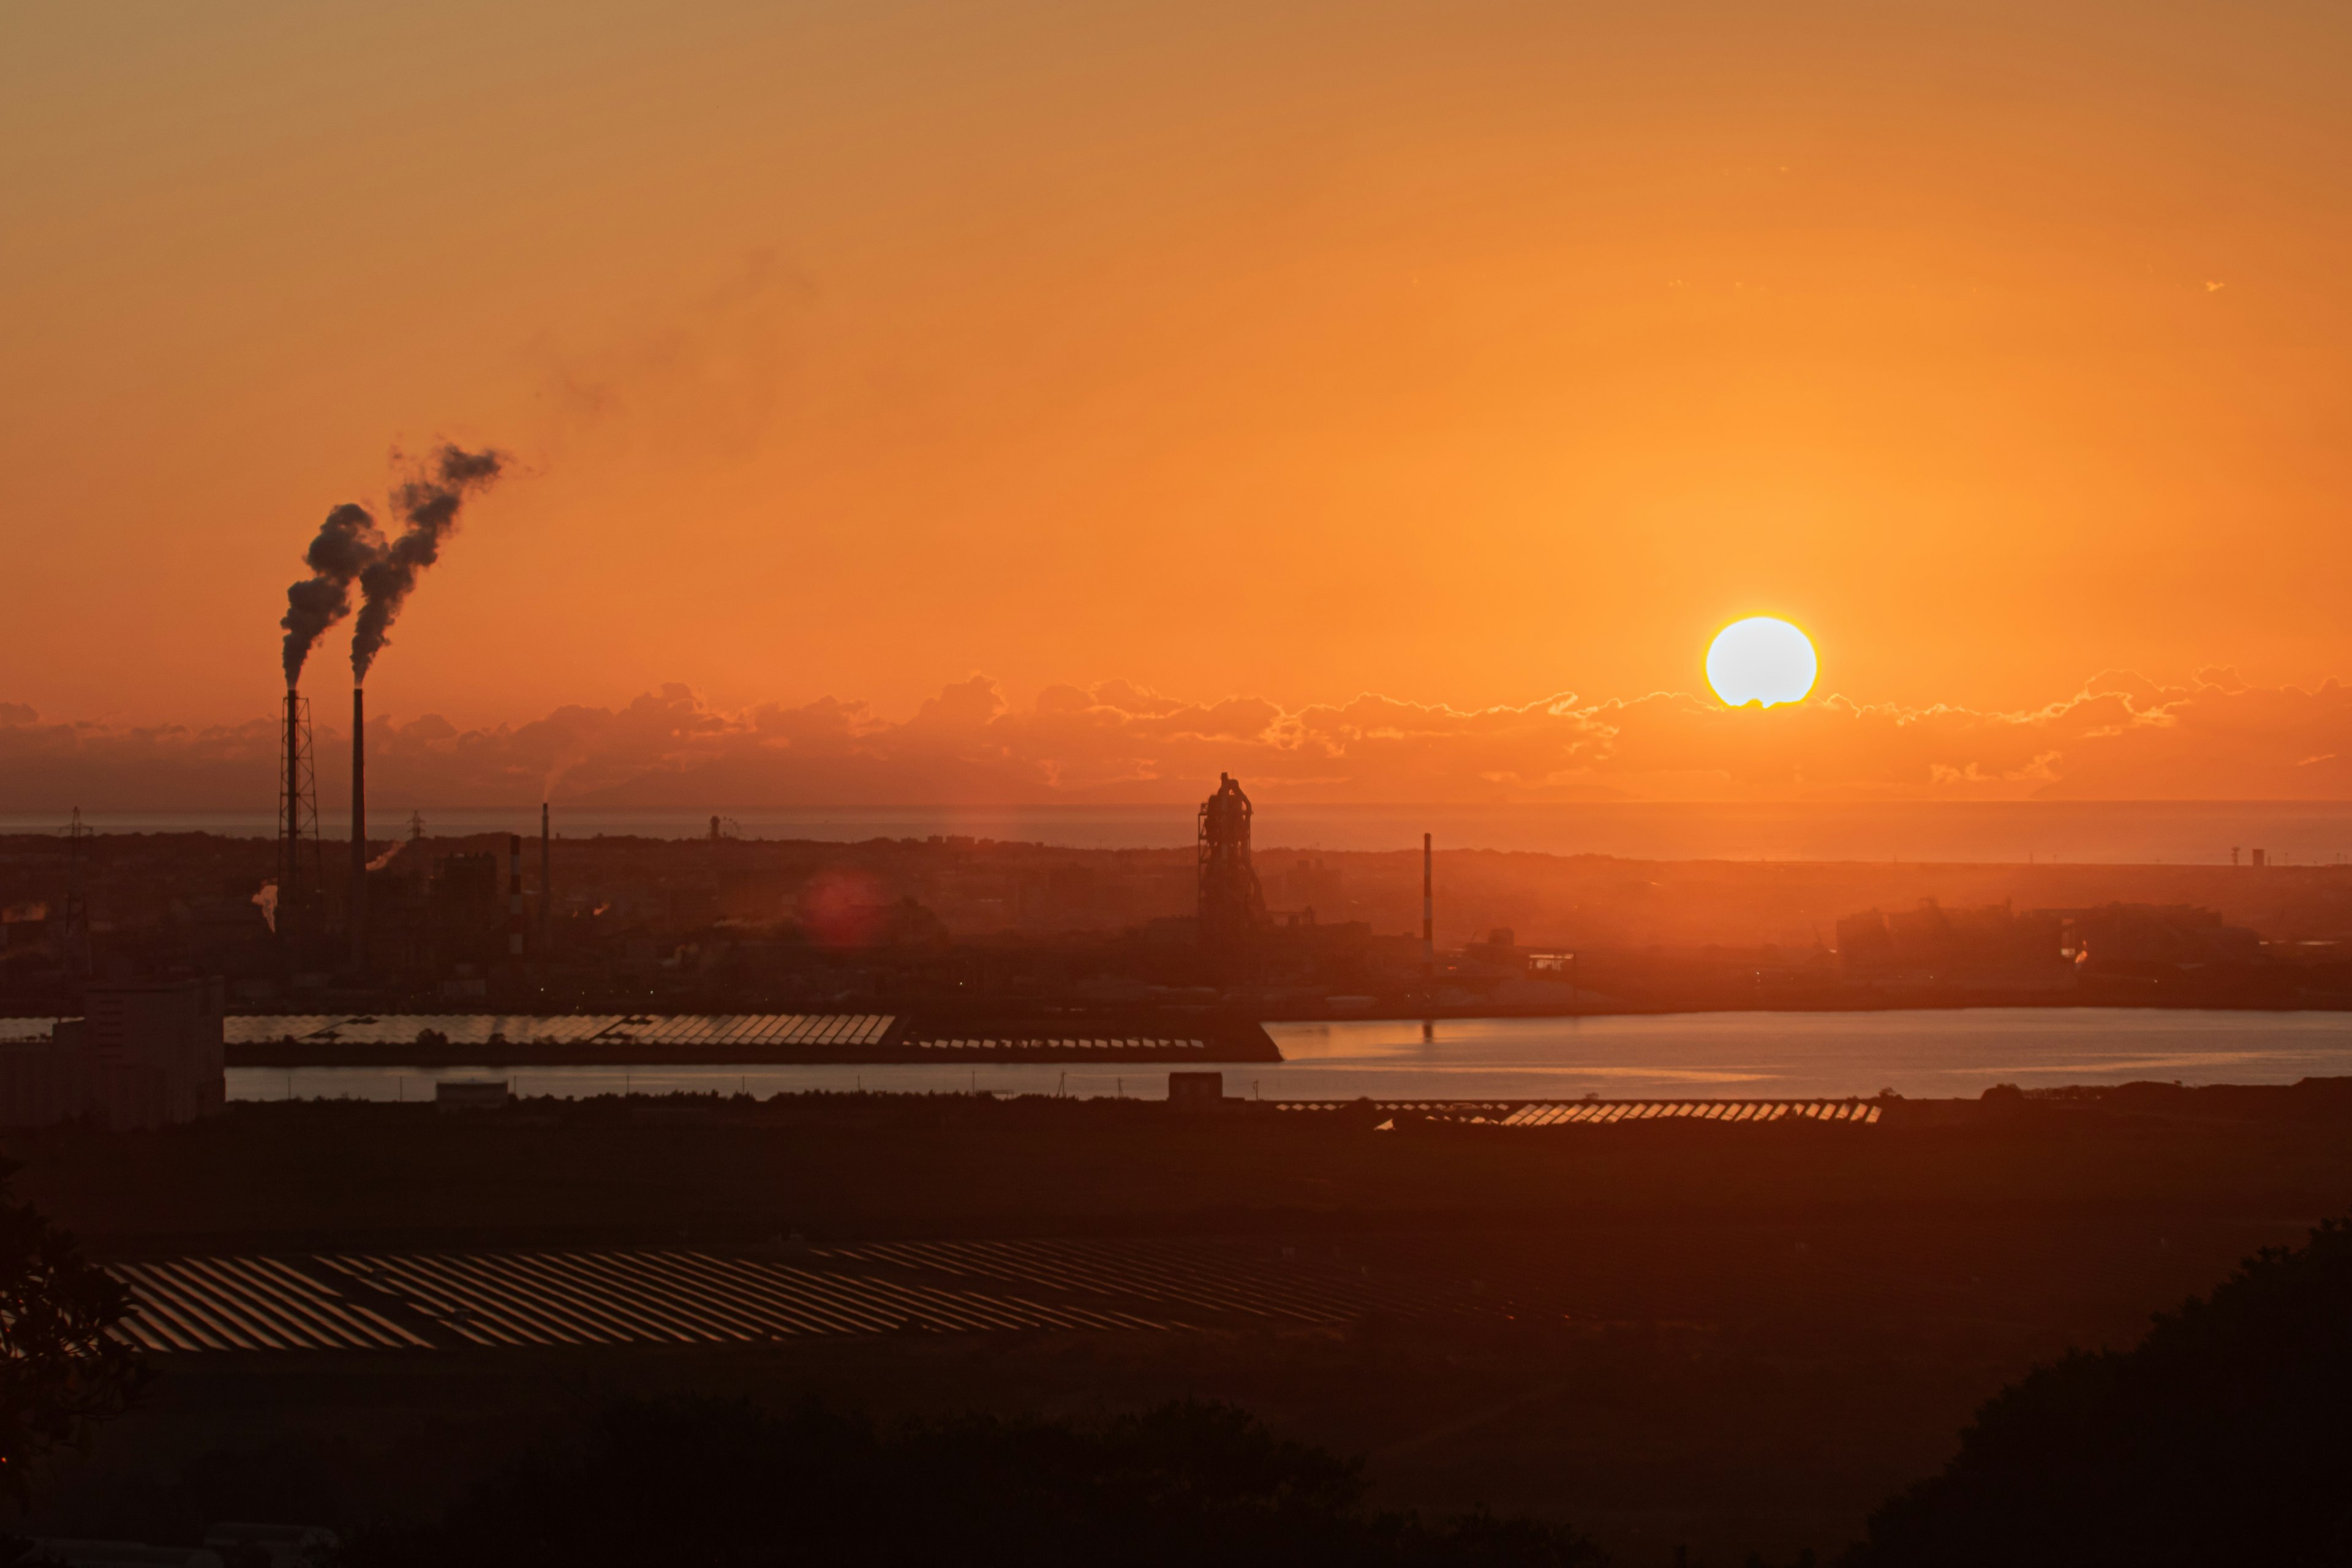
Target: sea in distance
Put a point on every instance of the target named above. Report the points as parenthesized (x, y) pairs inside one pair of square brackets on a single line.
[(1943, 1054), (2104, 832)]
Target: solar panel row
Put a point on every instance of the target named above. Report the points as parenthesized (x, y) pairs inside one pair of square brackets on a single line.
[(1563, 1112), (1063, 1044), (421, 1300), (403, 1028), (668, 1029), (771, 1028), (1205, 1276), (245, 1304), (548, 1299), (610, 1297), (1701, 1110)]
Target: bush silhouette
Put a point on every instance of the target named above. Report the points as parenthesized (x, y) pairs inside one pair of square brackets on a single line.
[(2224, 1437), (62, 1371)]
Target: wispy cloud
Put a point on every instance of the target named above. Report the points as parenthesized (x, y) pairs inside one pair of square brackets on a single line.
[(2119, 736)]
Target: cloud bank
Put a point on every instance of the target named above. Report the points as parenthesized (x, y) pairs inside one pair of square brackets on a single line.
[(2120, 737)]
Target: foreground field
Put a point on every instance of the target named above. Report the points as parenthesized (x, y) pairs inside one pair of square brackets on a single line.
[(1725, 1337)]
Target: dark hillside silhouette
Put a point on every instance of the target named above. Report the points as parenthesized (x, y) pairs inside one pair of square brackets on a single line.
[(2223, 1438)]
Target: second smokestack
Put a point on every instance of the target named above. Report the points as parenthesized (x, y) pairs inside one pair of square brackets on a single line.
[(359, 830), (1428, 913), (514, 895)]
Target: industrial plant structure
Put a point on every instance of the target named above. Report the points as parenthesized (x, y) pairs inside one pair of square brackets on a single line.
[(356, 917), (1232, 909), (309, 927), (144, 1055), (301, 873)]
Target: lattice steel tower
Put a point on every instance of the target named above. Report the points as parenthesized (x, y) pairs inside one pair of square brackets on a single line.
[(301, 866)]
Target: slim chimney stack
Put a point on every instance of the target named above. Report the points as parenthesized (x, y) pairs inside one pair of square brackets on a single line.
[(514, 895), (546, 878), (359, 830), (1428, 915), (288, 891)]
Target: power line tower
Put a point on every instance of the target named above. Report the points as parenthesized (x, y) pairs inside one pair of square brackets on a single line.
[(1230, 909), (419, 874), (73, 941), (301, 864)]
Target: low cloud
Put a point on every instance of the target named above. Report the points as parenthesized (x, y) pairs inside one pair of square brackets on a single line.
[(2118, 737)]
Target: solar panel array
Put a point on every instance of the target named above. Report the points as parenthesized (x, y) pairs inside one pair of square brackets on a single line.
[(1595, 1112), (1206, 1277), (1693, 1110), (753, 1029), (244, 1304), (401, 1029), (613, 1297), (516, 1300), (1058, 1043), (665, 1030)]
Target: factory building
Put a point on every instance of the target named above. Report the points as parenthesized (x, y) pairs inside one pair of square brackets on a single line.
[(141, 1056)]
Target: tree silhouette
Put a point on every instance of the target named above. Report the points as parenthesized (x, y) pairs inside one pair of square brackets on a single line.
[(60, 1372), (2224, 1437)]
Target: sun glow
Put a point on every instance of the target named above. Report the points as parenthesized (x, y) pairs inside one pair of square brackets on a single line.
[(1760, 659)]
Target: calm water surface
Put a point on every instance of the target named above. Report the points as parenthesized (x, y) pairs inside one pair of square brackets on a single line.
[(1922, 1055)]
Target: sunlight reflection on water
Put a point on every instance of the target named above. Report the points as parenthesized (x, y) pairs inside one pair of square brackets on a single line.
[(1923, 1055)]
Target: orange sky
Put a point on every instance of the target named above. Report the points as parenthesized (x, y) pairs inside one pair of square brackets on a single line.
[(1463, 353)]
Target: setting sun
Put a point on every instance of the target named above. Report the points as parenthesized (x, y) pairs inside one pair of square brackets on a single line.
[(1760, 659)]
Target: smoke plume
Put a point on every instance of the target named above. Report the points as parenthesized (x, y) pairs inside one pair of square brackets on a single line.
[(427, 504), (347, 543)]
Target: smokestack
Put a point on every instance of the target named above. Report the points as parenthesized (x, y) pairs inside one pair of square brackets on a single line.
[(546, 878), (514, 895), (359, 830), (293, 775), (1428, 914), (290, 895)]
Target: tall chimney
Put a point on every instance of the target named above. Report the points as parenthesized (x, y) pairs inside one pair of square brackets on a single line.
[(514, 895), (1428, 915), (546, 878), (290, 892), (359, 830)]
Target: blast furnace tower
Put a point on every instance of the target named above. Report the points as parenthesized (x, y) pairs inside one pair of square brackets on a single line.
[(1231, 907)]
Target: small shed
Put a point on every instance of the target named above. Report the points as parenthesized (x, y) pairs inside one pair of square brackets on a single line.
[(1196, 1090), (471, 1094)]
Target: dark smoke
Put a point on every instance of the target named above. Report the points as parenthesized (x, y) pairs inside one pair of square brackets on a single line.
[(347, 543), (429, 505)]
